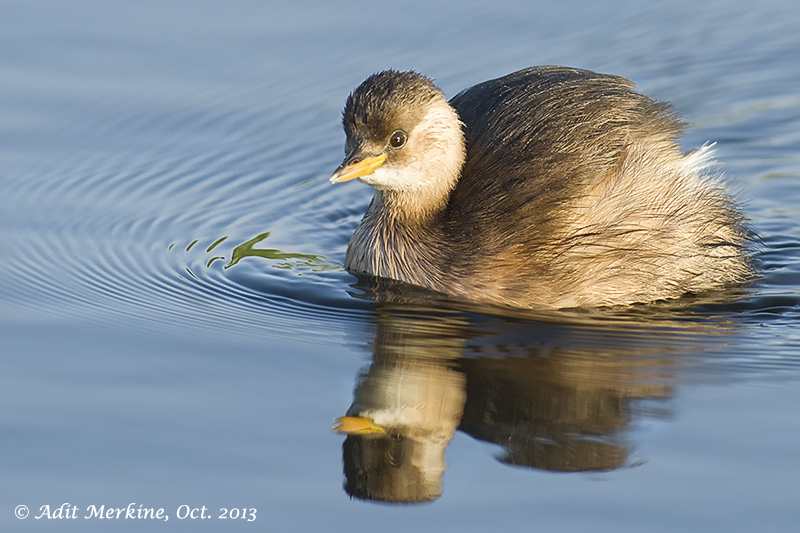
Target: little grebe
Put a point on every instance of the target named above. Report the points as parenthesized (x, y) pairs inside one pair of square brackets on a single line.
[(550, 187)]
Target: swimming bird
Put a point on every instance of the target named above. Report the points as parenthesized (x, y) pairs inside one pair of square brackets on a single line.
[(551, 187)]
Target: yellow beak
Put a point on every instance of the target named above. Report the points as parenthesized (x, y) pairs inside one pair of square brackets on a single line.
[(368, 165), (356, 425)]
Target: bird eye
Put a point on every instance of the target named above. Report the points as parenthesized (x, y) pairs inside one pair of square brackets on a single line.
[(398, 139)]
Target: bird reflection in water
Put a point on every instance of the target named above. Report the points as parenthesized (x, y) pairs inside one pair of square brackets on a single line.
[(407, 406), (556, 396)]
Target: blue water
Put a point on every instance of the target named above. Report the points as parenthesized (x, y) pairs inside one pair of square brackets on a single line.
[(177, 328)]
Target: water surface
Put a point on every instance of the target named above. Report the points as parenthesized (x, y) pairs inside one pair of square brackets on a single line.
[(178, 329)]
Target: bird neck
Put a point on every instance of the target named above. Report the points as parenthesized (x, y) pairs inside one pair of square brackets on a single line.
[(395, 240), (410, 208)]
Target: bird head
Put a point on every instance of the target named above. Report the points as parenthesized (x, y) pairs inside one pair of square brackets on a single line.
[(402, 135)]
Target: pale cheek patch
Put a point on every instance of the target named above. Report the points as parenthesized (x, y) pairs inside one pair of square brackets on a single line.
[(390, 178)]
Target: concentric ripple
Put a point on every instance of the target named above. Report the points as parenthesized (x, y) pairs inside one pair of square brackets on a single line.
[(198, 244)]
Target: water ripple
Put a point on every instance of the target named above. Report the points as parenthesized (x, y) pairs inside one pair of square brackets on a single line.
[(117, 248)]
